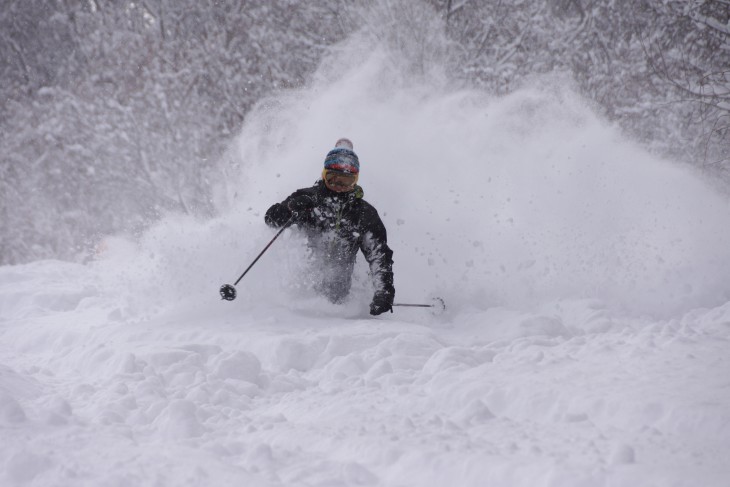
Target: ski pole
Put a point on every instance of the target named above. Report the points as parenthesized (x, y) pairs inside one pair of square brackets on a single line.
[(438, 305), (228, 291)]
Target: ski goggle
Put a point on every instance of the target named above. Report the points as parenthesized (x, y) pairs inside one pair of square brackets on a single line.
[(338, 180)]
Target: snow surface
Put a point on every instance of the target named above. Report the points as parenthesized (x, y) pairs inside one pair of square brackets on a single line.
[(585, 341)]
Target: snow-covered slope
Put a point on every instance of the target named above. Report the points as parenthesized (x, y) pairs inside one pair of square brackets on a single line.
[(214, 394), (585, 341)]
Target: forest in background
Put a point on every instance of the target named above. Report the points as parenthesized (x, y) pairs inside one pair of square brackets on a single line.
[(114, 112)]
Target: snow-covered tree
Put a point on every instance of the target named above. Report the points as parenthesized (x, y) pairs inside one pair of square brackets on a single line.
[(114, 111)]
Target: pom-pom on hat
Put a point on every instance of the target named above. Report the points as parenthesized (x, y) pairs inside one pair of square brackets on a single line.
[(342, 158), (344, 142)]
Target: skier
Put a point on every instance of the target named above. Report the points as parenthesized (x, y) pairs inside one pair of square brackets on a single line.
[(337, 222)]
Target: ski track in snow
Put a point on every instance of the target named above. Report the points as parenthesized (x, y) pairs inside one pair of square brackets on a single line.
[(566, 395)]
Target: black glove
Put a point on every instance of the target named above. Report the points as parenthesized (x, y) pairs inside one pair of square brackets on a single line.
[(382, 302), (300, 204)]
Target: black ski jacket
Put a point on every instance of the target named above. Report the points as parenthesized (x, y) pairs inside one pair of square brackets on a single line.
[(339, 225)]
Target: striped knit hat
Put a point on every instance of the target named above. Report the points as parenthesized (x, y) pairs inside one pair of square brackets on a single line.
[(342, 158)]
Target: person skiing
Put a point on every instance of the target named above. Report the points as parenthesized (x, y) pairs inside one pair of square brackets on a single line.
[(338, 222)]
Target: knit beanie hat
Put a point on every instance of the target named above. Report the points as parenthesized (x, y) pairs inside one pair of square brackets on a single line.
[(342, 158)]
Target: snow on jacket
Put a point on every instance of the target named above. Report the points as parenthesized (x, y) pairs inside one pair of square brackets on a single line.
[(339, 225)]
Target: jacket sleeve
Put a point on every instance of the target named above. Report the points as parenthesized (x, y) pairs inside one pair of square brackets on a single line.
[(279, 213), (374, 246)]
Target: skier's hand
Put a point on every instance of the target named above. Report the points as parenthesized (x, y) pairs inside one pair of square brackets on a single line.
[(300, 204), (382, 302)]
